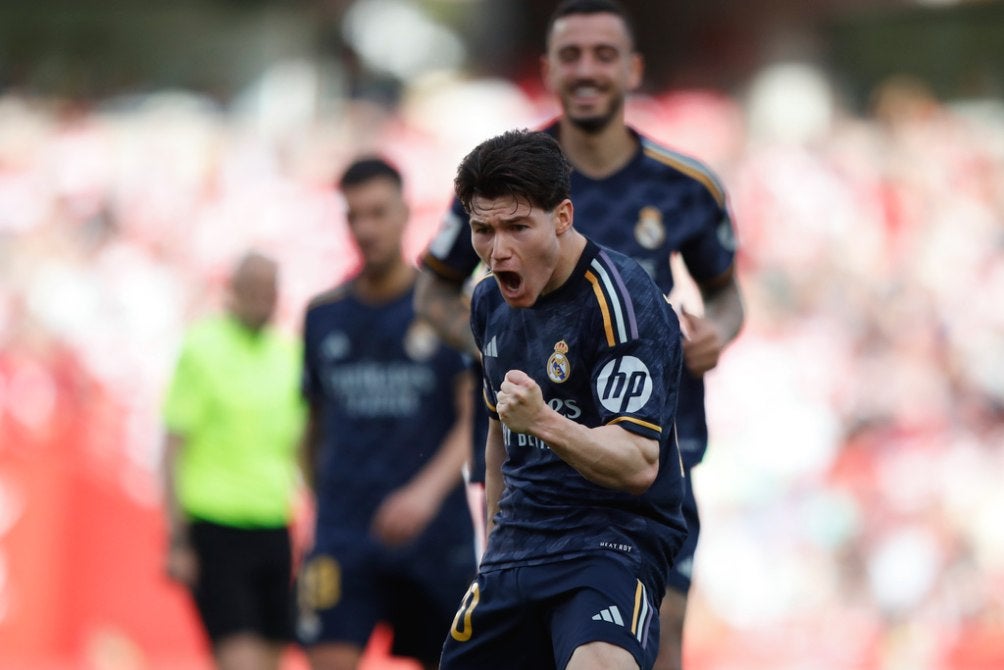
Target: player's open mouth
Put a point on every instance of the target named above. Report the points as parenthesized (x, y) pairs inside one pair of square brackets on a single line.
[(510, 281)]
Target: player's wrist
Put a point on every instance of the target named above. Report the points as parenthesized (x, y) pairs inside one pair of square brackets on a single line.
[(550, 426)]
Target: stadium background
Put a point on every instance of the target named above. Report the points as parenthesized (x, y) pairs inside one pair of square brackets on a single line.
[(852, 489)]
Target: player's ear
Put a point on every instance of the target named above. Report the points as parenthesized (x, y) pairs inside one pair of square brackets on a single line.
[(636, 70), (545, 72), (563, 216)]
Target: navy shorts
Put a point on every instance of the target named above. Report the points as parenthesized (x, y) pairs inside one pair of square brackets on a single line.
[(345, 588), (245, 580), (536, 616), (679, 576)]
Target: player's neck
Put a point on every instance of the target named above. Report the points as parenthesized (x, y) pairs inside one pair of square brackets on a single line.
[(380, 284), (598, 155), (573, 243)]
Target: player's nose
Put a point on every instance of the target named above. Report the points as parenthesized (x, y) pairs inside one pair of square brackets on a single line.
[(501, 249), (585, 67)]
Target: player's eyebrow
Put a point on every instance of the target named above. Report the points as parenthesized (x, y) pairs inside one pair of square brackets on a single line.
[(510, 218)]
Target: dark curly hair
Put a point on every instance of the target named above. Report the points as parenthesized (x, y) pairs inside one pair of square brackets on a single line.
[(527, 165)]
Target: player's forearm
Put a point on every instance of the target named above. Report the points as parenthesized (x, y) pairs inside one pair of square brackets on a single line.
[(606, 455), (441, 303), (310, 446), (723, 306), (494, 483), (445, 470), (177, 521)]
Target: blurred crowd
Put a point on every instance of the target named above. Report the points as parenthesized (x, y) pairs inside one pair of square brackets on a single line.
[(858, 425), (851, 491)]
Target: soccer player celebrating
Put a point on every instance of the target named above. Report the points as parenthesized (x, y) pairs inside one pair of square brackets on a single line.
[(636, 197), (581, 357)]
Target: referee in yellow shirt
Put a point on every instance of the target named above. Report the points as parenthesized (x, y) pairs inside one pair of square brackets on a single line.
[(233, 416)]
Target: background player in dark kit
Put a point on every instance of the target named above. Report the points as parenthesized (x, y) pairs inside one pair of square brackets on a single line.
[(388, 433), (637, 197), (583, 476)]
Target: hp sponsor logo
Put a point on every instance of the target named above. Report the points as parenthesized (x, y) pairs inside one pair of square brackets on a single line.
[(624, 385)]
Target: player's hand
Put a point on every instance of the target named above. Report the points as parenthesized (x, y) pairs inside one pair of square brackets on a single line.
[(702, 345), (520, 401), (403, 515), (182, 564)]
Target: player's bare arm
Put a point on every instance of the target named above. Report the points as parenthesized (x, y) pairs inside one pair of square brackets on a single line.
[(606, 455), (494, 456), (310, 445), (708, 335), (182, 565), (406, 512), (441, 303)]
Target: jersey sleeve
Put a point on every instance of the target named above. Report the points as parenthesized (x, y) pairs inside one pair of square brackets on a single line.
[(310, 384), (639, 353), (450, 254), (709, 246), (479, 317), (710, 253)]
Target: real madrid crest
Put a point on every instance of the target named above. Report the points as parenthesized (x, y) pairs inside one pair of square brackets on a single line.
[(650, 231), (420, 341), (558, 365)]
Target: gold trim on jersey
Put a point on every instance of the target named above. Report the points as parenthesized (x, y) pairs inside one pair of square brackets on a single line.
[(644, 424), (608, 326), (695, 171), (639, 593), (488, 403)]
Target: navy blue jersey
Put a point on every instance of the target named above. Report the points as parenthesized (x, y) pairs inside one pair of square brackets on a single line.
[(661, 202), (605, 349), (386, 388)]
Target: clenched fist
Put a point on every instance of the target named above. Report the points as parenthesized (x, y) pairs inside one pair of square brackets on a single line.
[(520, 401)]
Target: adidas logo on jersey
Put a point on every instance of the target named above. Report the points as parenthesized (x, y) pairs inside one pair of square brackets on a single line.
[(611, 614), (491, 349)]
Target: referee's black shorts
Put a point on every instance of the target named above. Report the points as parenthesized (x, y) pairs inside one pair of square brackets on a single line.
[(245, 580)]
